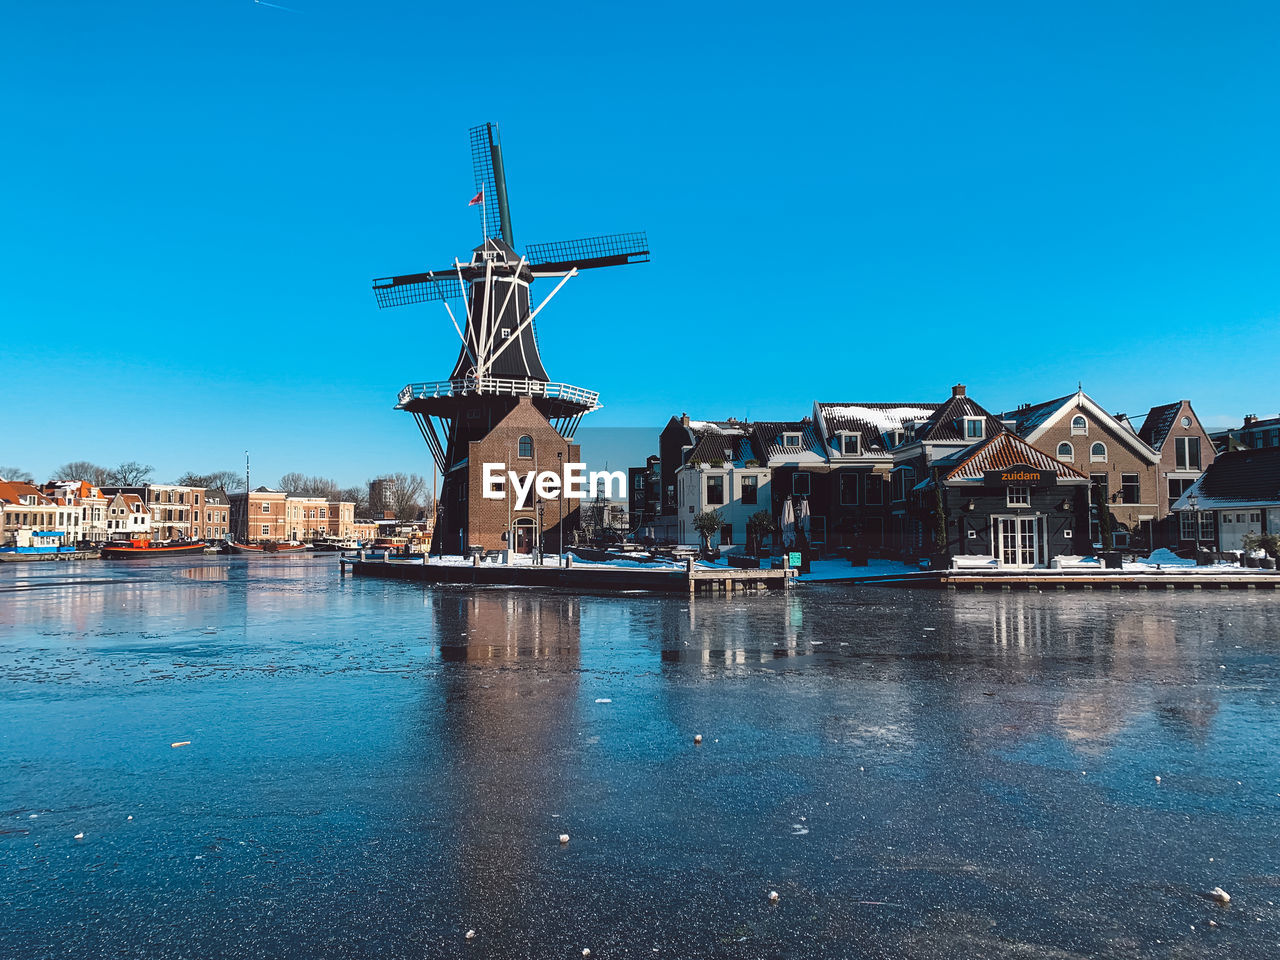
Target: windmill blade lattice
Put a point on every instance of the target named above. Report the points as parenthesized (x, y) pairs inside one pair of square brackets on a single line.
[(416, 288), (610, 250), (490, 178)]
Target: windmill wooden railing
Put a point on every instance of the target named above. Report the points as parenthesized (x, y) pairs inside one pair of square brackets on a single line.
[(469, 386)]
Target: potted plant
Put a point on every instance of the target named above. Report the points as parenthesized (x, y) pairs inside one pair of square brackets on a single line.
[(759, 526), (706, 523)]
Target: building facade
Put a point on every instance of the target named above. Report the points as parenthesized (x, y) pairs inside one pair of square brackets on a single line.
[(1174, 431), (523, 441), (1124, 471)]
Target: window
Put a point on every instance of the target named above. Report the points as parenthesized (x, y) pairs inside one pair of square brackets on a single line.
[(526, 446), (750, 490), (973, 428), (800, 484), (726, 535), (1098, 453), (265, 529), (715, 489), (791, 439), (1130, 489), (1079, 427), (196, 501), (1098, 483), (1186, 422), (1178, 486), (1018, 496), (182, 496), (1066, 451), (639, 481), (849, 489), (1255, 518), (1187, 453), (1206, 525), (903, 480), (506, 333), (875, 490), (322, 513), (852, 444), (266, 508)]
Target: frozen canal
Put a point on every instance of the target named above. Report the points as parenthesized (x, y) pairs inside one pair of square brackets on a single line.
[(375, 769)]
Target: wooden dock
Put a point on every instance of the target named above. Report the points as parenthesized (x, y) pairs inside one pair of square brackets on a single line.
[(1040, 580), (688, 580), (45, 557)]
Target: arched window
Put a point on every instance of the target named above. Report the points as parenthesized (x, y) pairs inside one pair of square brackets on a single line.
[(1098, 452), (1079, 426), (1066, 451), (526, 446)]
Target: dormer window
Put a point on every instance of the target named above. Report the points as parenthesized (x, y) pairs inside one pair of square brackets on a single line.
[(974, 428), (851, 444), (893, 437), (791, 439), (1079, 427)]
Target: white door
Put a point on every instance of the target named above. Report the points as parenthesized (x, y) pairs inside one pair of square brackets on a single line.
[(1018, 539)]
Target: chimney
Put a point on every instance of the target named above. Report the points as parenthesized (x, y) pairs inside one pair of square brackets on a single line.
[(1250, 419), (684, 420), (957, 390)]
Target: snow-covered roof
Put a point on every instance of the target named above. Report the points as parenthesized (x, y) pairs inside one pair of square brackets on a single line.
[(1240, 478)]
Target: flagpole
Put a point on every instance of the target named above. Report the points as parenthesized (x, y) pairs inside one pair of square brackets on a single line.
[(484, 220)]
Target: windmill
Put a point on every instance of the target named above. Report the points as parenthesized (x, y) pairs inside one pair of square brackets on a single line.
[(489, 303)]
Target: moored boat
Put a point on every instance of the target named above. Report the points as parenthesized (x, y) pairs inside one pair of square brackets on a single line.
[(267, 546), (335, 545), (145, 547)]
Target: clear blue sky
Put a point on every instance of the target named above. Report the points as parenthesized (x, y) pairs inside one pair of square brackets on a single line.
[(859, 202)]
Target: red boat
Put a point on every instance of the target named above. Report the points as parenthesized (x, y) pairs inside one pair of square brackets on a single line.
[(143, 547), (267, 546)]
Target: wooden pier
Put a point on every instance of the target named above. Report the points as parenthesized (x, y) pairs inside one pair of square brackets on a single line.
[(1041, 580), (690, 579)]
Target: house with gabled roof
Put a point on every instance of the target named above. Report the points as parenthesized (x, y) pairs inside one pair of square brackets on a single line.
[(950, 428), (1123, 469), (30, 518), (798, 471), (859, 439), (676, 445), (1175, 432), (1007, 504), (1238, 494), (722, 472)]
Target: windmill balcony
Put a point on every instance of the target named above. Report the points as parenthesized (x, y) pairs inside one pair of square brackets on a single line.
[(495, 386)]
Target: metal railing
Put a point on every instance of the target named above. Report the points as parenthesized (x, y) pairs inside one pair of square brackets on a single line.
[(469, 386)]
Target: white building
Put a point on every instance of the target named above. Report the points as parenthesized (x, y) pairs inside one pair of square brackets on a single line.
[(722, 474), (127, 517)]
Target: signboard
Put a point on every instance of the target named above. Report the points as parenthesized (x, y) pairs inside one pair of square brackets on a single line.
[(1019, 475), (793, 560)]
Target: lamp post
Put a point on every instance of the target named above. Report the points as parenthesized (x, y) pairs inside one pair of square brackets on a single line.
[(541, 535), (560, 502)]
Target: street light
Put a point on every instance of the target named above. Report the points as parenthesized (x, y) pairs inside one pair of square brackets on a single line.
[(560, 503)]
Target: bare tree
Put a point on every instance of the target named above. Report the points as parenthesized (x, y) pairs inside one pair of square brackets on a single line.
[(83, 470), (228, 481), (130, 474), (357, 495), (409, 496), (17, 475), (303, 486)]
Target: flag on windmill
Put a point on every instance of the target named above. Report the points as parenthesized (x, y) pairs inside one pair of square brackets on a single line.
[(478, 198)]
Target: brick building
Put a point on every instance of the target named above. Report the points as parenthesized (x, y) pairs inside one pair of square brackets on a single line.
[(1175, 432), (1123, 470), (523, 440), (265, 518)]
